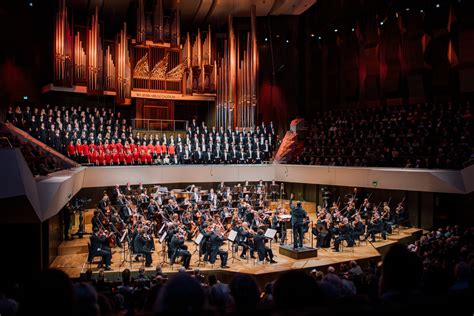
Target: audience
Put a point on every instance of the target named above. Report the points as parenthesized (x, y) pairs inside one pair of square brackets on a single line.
[(427, 135), (103, 138), (430, 275)]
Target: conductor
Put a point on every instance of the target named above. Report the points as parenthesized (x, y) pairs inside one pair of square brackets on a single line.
[(298, 217)]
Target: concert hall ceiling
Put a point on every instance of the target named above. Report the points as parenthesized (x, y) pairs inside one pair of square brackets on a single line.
[(198, 12)]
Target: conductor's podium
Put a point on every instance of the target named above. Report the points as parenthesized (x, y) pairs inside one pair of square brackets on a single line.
[(298, 253)]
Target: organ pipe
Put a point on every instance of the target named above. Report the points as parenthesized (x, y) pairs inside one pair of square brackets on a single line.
[(94, 55), (63, 41), (254, 63), (123, 71), (141, 30), (158, 30)]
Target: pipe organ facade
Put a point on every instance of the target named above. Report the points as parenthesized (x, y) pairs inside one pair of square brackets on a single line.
[(159, 64)]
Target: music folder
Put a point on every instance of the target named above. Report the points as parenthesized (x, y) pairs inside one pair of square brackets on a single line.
[(125, 233), (198, 239), (163, 237), (232, 235), (270, 233)]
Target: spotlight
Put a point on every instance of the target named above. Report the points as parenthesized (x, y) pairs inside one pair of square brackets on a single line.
[(25, 97), (312, 34), (335, 30), (277, 36), (381, 22), (287, 41), (319, 37), (266, 39), (407, 9), (353, 29), (421, 11), (437, 5), (31, 4)]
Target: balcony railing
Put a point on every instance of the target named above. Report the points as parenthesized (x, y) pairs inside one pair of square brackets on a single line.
[(160, 125)]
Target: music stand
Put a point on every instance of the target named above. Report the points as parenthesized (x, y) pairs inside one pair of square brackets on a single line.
[(197, 241), (124, 255), (161, 229), (163, 248), (270, 234), (231, 238)]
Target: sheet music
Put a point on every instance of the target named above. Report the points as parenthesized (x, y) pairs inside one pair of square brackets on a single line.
[(163, 237), (232, 235), (270, 233), (198, 239)]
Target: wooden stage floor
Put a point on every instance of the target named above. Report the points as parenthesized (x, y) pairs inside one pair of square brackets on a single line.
[(72, 257)]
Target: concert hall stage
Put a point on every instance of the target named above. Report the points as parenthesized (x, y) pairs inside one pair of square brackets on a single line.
[(72, 256)]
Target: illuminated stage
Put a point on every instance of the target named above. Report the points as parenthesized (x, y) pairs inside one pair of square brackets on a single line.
[(72, 257)]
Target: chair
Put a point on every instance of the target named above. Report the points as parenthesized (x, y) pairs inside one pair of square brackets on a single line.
[(90, 257), (136, 255), (341, 245)]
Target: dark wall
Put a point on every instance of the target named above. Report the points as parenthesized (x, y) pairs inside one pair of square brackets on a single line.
[(26, 49), (416, 55)]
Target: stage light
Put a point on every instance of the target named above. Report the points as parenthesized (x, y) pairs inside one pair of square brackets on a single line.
[(407, 9), (277, 36), (381, 22), (421, 11), (31, 4), (353, 29), (266, 39), (335, 30), (25, 97), (312, 34), (319, 37), (437, 5), (287, 41)]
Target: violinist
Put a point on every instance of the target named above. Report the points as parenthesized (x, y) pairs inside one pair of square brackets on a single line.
[(215, 241), (179, 249), (264, 252), (366, 208), (99, 246), (196, 197), (141, 245), (386, 218), (344, 233), (188, 225), (323, 234), (104, 202), (401, 215), (152, 208), (358, 228), (96, 220), (375, 227), (245, 239)]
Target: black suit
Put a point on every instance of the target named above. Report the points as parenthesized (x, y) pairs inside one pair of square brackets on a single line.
[(99, 247), (178, 249), (262, 250), (215, 242), (141, 246), (344, 233), (298, 216)]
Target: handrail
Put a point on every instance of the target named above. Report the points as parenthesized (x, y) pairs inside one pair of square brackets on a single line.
[(147, 124), (40, 144)]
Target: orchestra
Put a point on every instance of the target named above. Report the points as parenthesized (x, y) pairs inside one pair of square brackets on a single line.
[(176, 217)]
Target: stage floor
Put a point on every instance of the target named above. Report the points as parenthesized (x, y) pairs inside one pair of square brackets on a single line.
[(72, 257)]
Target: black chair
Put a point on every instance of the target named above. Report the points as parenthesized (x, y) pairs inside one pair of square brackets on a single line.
[(90, 257)]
